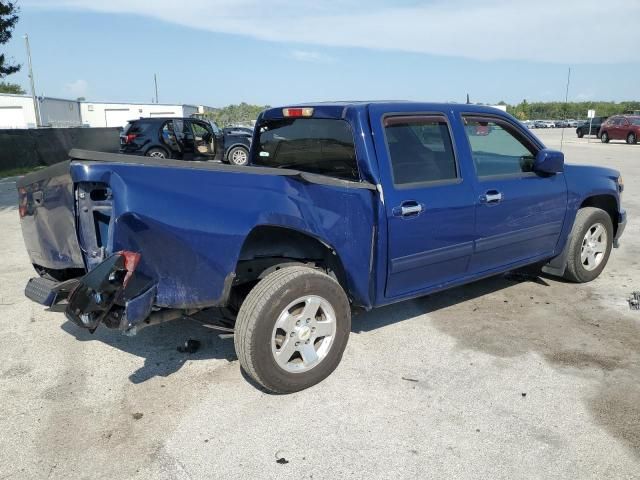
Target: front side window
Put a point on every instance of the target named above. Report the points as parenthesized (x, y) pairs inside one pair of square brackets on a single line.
[(420, 149), (497, 148), (314, 145)]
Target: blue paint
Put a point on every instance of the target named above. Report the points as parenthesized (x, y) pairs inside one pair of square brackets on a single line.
[(190, 223)]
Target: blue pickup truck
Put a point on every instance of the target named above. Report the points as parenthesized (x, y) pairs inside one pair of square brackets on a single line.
[(345, 207)]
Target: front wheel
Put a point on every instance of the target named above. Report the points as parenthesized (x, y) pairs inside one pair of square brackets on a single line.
[(590, 247), (238, 156), (292, 329), (604, 138), (631, 138), (580, 133)]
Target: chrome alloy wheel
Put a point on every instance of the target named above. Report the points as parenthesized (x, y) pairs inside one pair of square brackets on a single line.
[(157, 154), (303, 334), (594, 247), (239, 157)]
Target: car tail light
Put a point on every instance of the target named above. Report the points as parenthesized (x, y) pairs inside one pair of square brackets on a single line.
[(297, 112), (22, 204), (129, 137), (131, 260)]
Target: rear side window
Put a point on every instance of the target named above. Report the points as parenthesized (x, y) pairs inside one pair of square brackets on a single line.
[(134, 127), (313, 145), (497, 148), (420, 149)]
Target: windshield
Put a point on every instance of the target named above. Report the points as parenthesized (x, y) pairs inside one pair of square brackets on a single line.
[(314, 145)]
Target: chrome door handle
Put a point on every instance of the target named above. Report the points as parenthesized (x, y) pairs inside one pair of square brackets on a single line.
[(492, 196), (410, 210)]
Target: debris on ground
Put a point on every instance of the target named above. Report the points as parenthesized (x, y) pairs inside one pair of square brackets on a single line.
[(634, 301), (524, 394), (410, 379), (280, 459), (137, 415), (190, 346)]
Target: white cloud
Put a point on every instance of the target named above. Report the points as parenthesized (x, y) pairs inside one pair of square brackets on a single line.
[(78, 88), (309, 56), (538, 30)]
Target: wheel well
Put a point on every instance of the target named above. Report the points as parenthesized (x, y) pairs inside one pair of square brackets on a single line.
[(269, 248), (604, 202)]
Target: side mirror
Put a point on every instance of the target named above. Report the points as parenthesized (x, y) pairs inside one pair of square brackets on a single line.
[(549, 161)]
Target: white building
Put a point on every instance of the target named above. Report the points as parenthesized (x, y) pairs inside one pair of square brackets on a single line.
[(102, 114), (17, 111)]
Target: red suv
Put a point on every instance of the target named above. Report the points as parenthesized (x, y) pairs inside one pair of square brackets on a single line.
[(621, 127)]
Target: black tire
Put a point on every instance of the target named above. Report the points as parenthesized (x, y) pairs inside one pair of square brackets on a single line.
[(586, 219), (257, 319), (631, 138), (238, 156), (604, 137), (580, 133), (157, 152)]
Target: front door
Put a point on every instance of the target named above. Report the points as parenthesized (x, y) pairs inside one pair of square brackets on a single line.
[(429, 202), (519, 212)]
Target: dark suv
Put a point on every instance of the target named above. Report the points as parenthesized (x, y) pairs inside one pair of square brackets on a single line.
[(185, 139), (621, 127), (590, 127)]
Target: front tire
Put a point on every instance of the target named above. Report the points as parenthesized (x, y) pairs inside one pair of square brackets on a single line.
[(580, 133), (631, 138), (590, 247), (292, 329), (604, 138)]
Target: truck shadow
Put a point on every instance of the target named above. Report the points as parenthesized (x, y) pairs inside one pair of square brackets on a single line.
[(580, 331), (157, 345)]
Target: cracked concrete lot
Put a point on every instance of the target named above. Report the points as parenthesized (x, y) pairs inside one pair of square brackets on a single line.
[(510, 377)]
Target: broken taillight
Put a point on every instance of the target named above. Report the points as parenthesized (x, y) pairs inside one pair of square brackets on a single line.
[(22, 202), (131, 260)]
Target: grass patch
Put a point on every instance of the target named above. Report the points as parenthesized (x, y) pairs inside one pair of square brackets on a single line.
[(14, 172)]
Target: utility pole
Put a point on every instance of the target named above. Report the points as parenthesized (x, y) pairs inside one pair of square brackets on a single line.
[(566, 100), (36, 106), (155, 80)]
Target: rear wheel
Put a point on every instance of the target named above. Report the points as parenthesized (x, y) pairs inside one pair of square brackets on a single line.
[(238, 156), (590, 247), (157, 153), (631, 138), (292, 329), (604, 138)]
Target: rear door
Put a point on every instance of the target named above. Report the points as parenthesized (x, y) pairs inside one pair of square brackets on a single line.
[(519, 213), (429, 200)]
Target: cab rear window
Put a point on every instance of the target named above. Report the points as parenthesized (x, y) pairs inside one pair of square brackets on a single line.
[(314, 145)]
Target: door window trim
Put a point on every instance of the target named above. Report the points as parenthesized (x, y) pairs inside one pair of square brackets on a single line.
[(428, 183), (534, 147)]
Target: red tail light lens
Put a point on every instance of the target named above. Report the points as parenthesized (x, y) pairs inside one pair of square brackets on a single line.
[(130, 137), (22, 204), (131, 260)]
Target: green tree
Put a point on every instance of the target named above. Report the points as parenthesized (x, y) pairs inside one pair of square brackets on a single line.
[(6, 87), (242, 113), (8, 19)]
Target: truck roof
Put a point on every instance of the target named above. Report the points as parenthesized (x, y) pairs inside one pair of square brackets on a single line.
[(336, 109)]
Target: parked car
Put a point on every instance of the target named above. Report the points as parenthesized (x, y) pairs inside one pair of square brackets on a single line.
[(561, 124), (184, 139), (572, 123), (529, 124), (621, 127), (345, 207), (590, 127)]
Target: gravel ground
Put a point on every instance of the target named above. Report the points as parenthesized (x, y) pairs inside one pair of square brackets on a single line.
[(509, 377)]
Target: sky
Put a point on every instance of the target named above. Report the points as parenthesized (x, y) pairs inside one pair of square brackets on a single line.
[(276, 52)]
